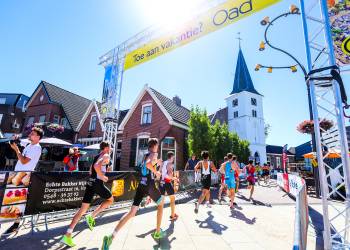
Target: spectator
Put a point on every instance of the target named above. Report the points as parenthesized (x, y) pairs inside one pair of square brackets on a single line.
[(72, 160), (27, 162), (191, 163)]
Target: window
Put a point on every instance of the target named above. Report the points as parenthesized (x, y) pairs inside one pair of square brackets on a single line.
[(42, 118), (278, 162), (3, 100), (64, 122), (253, 101), (146, 114), (56, 119), (235, 103), (30, 120), (235, 114), (142, 149), (168, 144), (254, 113), (1, 115), (93, 121)]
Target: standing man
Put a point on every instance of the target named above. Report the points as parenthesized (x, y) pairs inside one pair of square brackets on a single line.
[(146, 187), (27, 162), (95, 185), (191, 163), (166, 186)]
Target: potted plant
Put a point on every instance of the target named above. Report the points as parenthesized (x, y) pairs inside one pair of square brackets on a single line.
[(308, 126)]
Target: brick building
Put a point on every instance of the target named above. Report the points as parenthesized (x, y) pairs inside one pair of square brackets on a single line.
[(12, 113), (153, 115), (274, 156), (78, 115)]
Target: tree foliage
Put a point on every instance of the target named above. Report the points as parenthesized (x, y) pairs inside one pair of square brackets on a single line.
[(216, 138)]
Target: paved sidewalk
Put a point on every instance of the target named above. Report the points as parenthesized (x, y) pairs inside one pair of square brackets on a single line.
[(267, 223)]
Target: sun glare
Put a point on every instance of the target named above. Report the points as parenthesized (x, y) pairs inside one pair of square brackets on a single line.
[(167, 13)]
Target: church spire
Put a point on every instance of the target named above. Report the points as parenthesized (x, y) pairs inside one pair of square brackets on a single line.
[(242, 81)]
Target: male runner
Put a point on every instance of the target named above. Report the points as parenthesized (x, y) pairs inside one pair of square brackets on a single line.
[(229, 168), (266, 173), (222, 185), (205, 166), (250, 178), (146, 187), (93, 186), (166, 186)]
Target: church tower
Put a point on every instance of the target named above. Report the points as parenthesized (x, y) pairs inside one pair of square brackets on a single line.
[(245, 111)]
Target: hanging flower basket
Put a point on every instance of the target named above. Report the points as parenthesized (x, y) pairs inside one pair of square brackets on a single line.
[(55, 128), (307, 127)]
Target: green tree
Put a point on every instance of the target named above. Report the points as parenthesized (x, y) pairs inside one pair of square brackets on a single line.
[(199, 138), (244, 151)]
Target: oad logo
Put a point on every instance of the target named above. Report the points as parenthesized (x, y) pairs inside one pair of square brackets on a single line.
[(223, 15), (346, 46), (133, 185)]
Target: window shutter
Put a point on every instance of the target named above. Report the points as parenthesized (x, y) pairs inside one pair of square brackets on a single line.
[(133, 146)]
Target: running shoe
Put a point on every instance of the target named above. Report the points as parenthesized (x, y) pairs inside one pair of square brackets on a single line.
[(196, 208), (220, 201), (158, 235), (90, 221), (68, 241), (107, 241), (208, 205), (175, 217)]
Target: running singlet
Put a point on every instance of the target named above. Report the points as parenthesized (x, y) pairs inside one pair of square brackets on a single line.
[(146, 175), (230, 179), (165, 177)]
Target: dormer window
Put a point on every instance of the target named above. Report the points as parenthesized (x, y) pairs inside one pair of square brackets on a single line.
[(93, 121), (253, 101), (146, 116), (235, 103)]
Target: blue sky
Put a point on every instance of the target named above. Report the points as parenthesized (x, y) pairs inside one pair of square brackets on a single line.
[(61, 41)]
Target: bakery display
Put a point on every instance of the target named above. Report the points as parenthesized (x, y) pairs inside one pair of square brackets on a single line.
[(11, 212), (15, 196)]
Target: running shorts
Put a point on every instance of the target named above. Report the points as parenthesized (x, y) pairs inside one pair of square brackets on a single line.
[(206, 181), (231, 184), (167, 188), (145, 190), (95, 186)]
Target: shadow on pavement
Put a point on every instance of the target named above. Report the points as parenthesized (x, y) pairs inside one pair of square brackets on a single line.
[(240, 216), (209, 223), (165, 243), (259, 203)]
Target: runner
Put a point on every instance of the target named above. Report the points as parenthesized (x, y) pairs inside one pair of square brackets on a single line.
[(250, 178), (205, 166), (237, 172), (222, 185), (229, 168), (166, 186), (93, 186), (146, 187), (266, 173)]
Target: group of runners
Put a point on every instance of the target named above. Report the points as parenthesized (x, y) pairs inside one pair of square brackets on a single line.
[(157, 180)]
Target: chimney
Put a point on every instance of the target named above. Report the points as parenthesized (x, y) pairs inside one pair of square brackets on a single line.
[(177, 100)]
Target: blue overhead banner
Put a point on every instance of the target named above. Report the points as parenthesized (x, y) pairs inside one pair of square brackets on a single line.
[(109, 92)]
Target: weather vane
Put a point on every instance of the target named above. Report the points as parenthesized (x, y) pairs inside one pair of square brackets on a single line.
[(239, 38)]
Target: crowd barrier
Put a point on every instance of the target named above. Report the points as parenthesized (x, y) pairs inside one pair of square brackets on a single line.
[(25, 194), (295, 186)]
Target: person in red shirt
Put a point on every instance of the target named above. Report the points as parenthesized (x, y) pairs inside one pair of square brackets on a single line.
[(250, 178)]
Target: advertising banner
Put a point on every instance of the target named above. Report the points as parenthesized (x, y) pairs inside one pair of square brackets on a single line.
[(285, 183), (56, 191), (13, 194), (339, 17), (280, 180), (109, 93), (212, 20), (295, 184)]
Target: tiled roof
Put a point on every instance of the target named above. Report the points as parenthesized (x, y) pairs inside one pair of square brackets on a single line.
[(273, 149), (178, 113), (243, 81), (73, 105), (221, 115)]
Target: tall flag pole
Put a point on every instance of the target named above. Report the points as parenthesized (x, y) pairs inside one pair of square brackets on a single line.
[(284, 157)]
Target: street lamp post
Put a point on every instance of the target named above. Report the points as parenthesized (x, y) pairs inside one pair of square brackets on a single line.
[(266, 22)]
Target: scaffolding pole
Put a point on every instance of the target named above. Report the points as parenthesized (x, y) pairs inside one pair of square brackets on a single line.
[(327, 104)]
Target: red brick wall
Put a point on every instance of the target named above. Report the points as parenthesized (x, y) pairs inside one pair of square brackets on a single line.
[(84, 131), (159, 128)]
